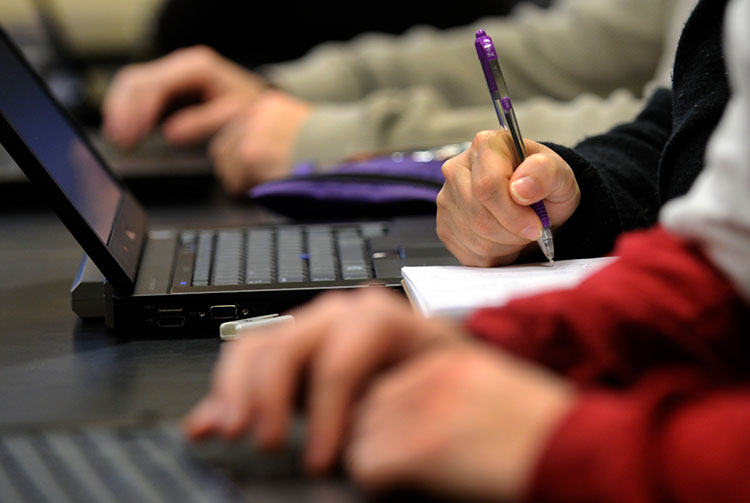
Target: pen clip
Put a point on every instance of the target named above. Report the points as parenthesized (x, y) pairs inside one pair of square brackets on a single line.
[(499, 90), (486, 52)]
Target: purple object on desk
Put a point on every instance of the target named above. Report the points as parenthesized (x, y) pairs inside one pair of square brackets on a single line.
[(378, 186)]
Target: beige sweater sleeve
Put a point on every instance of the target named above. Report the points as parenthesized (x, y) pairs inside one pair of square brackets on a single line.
[(425, 88)]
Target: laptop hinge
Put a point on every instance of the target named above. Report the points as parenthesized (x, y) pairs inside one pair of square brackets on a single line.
[(87, 291)]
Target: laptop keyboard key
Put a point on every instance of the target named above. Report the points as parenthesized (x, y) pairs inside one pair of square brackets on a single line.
[(321, 254), (203, 257), (387, 265), (228, 258), (259, 257), (183, 270), (352, 256), (372, 229), (291, 258)]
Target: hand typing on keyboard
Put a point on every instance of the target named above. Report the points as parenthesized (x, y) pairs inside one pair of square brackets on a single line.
[(405, 399), (342, 339)]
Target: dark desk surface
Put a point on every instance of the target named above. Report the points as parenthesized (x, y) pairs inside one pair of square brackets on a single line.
[(56, 367), (57, 370)]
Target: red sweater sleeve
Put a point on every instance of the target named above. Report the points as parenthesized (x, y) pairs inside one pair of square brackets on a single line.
[(671, 437), (661, 302)]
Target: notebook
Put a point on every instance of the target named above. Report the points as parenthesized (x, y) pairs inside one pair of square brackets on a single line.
[(455, 291), (188, 279)]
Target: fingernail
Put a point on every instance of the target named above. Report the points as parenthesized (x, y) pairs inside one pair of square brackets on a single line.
[(531, 232), (524, 189)]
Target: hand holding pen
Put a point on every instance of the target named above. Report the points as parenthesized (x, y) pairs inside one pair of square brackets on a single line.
[(507, 117), (485, 213)]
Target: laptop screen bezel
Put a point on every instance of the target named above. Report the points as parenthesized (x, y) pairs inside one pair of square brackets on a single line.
[(118, 258)]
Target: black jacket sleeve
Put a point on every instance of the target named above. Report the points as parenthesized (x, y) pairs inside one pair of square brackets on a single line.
[(617, 173)]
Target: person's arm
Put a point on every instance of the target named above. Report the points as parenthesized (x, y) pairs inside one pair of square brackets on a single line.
[(617, 173), (672, 437), (573, 47), (581, 65), (662, 301), (419, 117)]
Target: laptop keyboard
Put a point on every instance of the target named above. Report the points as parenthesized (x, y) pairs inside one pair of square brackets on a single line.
[(265, 255), (105, 464), (153, 463)]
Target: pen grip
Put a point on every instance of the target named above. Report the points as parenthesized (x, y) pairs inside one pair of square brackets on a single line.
[(541, 212)]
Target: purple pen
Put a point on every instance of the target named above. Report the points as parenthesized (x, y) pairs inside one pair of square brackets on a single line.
[(507, 117)]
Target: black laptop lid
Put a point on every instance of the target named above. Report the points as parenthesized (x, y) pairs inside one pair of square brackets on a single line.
[(46, 144)]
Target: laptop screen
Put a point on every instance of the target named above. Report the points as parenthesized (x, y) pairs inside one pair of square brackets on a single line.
[(56, 144)]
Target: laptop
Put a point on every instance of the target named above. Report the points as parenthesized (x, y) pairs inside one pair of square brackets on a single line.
[(190, 279), (79, 85)]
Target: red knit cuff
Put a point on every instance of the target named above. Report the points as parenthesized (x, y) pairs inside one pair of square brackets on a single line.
[(595, 454)]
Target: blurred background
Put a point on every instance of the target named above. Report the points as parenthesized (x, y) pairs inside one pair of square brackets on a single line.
[(86, 39), (93, 26), (77, 45)]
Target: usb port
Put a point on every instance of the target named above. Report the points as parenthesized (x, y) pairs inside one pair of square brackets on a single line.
[(170, 321), (224, 312), (169, 310)]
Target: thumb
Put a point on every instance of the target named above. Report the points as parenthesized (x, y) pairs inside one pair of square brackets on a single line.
[(544, 176)]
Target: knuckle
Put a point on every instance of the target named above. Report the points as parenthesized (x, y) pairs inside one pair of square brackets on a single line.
[(540, 165), (485, 186), (480, 139), (442, 201), (449, 168)]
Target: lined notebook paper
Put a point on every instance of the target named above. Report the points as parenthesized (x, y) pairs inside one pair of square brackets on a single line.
[(455, 291)]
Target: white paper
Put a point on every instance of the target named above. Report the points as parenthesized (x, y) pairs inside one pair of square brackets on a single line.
[(455, 291)]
